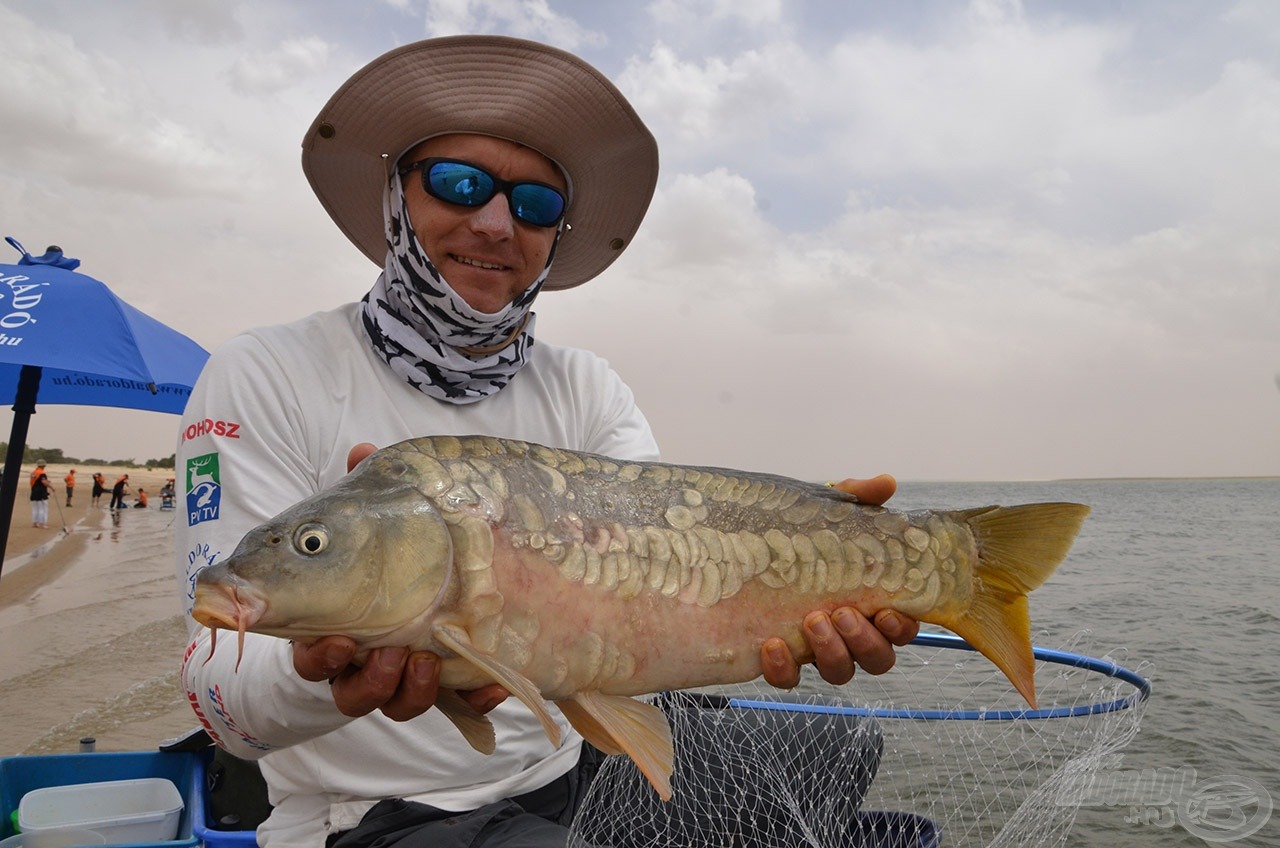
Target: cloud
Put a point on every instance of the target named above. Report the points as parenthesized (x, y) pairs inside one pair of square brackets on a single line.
[(194, 21), (1000, 143), (704, 106), (280, 68), (87, 118), (994, 240), (698, 15), (533, 19)]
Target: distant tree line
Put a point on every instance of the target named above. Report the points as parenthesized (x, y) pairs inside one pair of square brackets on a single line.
[(55, 456)]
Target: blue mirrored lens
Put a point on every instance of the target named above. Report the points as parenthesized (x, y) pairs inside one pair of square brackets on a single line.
[(467, 185), (460, 184), (536, 204)]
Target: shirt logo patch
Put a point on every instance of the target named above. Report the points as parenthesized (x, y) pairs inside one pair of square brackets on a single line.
[(209, 427), (205, 556), (204, 489)]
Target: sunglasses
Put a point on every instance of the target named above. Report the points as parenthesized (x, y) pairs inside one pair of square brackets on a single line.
[(464, 184)]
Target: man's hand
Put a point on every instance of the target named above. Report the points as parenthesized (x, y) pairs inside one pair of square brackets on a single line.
[(845, 638), (403, 684), (358, 453), (840, 641), (874, 491)]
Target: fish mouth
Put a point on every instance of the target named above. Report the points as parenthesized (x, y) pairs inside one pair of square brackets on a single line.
[(229, 608)]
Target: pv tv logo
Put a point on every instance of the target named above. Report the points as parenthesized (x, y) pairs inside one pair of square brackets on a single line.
[(204, 489)]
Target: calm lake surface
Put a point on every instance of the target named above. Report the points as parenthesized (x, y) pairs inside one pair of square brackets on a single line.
[(1177, 578), (1182, 579)]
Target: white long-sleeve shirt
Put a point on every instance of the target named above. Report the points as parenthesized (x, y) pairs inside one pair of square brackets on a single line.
[(269, 423)]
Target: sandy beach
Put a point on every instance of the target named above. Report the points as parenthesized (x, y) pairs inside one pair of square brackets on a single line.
[(34, 555), (50, 549), (88, 621)]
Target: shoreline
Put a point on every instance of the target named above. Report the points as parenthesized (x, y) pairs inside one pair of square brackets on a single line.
[(35, 557), (89, 610)]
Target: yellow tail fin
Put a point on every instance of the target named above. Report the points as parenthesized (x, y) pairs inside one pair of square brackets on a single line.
[(1018, 548)]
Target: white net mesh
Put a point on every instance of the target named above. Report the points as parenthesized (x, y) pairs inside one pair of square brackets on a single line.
[(940, 751)]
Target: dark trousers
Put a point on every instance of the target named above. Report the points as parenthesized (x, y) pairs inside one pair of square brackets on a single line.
[(538, 819)]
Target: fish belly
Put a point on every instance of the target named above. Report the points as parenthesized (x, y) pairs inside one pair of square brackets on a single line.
[(680, 608)]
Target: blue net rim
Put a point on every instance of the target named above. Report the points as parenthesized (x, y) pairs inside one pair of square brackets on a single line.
[(946, 640)]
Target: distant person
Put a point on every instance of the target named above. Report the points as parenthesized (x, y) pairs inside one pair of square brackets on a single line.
[(141, 502), (117, 492), (99, 488), (69, 482), (40, 489), (167, 494)]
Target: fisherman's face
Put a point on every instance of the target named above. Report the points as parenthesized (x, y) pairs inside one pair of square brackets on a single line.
[(488, 256)]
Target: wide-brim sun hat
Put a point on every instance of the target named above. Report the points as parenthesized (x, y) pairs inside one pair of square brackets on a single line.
[(519, 90)]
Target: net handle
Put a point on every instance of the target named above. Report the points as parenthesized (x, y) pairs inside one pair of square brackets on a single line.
[(946, 640)]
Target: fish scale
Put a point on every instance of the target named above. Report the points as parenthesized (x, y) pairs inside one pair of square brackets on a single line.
[(793, 559), (585, 580)]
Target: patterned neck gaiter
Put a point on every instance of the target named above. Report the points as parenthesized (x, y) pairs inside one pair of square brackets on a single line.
[(432, 338)]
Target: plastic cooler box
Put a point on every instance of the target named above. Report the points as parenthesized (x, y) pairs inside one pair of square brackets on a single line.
[(20, 776), (145, 809)]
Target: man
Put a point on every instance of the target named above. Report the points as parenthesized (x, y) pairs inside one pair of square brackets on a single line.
[(69, 482), (475, 171), (41, 491), (117, 492)]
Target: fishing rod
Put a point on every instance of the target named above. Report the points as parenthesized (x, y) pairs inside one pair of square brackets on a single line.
[(61, 517)]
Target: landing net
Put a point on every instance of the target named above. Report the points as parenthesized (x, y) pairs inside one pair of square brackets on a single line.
[(939, 751)]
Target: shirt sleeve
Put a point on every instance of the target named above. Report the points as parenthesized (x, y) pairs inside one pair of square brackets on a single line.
[(243, 457), (618, 428)]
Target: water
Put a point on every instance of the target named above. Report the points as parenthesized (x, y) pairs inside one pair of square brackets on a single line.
[(1180, 577), (1183, 578), (94, 649)]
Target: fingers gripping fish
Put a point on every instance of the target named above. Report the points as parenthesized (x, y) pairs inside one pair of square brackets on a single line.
[(583, 580)]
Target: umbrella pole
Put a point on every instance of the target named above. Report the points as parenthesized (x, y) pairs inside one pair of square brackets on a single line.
[(24, 406)]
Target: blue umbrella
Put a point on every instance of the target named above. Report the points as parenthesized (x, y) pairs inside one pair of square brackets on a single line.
[(66, 338)]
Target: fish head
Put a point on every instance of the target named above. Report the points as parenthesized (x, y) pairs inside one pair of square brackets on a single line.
[(369, 558)]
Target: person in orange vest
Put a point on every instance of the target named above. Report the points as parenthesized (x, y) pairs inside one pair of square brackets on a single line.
[(117, 492), (99, 487), (36, 474), (41, 489), (70, 483)]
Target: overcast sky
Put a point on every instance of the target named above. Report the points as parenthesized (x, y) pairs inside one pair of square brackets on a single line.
[(993, 240)]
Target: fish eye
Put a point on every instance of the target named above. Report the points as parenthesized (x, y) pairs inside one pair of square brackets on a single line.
[(311, 539)]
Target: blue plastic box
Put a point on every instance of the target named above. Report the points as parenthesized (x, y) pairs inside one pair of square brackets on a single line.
[(20, 775), (200, 824)]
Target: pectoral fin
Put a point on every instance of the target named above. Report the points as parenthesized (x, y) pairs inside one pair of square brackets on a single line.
[(456, 639), (616, 724), (475, 727)]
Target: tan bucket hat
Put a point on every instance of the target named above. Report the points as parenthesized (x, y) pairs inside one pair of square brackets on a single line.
[(519, 90)]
